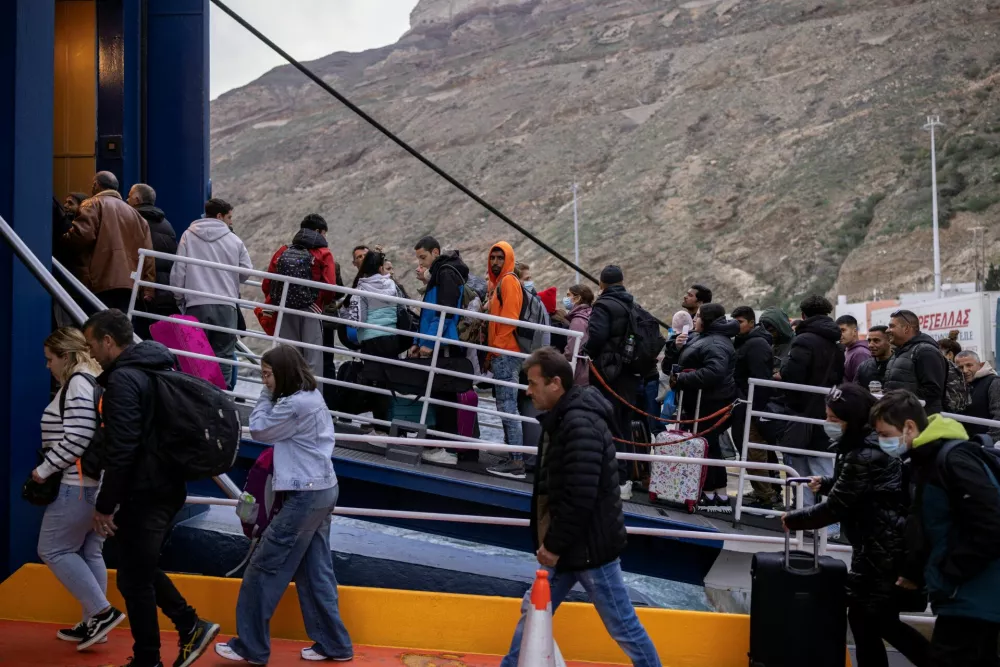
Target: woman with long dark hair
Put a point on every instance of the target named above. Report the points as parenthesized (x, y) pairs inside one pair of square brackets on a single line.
[(866, 496), (292, 416)]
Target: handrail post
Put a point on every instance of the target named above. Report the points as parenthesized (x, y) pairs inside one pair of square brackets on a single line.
[(743, 457), (430, 373), (135, 285), (576, 355), (697, 412), (281, 314)]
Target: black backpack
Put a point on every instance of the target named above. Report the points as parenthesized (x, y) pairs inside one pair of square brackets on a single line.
[(642, 343), (197, 425), (982, 446), (956, 391), (295, 262), (92, 461)]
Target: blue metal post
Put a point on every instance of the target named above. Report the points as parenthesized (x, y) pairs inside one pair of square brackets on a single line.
[(27, 52)]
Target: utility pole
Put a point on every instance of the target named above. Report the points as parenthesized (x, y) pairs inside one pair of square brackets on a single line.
[(978, 241), (932, 122), (576, 236)]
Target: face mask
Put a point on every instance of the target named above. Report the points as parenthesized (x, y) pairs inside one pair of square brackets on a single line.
[(529, 285), (894, 446), (568, 303), (833, 431)]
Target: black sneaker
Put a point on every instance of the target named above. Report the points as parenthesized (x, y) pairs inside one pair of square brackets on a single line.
[(192, 644), (723, 505), (132, 662), (706, 504), (511, 468), (99, 626), (74, 634)]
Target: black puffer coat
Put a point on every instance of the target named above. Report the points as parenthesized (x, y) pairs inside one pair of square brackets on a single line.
[(607, 328), (754, 359), (919, 367), (709, 364), (866, 496), (130, 467), (576, 506), (815, 358)]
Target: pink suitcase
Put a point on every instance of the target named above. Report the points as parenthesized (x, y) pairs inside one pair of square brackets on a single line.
[(189, 339), (467, 418)]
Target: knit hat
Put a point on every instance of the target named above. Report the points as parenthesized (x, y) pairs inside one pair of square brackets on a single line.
[(548, 297), (612, 275)]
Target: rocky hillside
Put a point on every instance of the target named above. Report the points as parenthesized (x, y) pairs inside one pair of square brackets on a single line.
[(768, 148)]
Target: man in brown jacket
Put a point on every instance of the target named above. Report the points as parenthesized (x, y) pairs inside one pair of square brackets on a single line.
[(108, 233)]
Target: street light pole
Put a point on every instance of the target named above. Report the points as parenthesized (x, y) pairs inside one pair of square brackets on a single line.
[(932, 122), (576, 236)]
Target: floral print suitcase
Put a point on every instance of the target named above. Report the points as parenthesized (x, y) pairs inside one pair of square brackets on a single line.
[(678, 484)]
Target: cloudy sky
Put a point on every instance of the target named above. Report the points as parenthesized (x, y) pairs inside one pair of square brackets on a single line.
[(306, 29)]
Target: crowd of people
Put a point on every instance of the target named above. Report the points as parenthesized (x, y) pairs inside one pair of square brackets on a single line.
[(916, 493)]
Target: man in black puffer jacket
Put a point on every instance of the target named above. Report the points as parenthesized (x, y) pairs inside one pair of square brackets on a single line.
[(815, 358), (142, 198), (577, 522), (917, 364), (140, 493)]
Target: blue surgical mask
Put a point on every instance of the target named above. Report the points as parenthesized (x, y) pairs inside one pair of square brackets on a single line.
[(833, 431), (529, 285), (568, 303), (894, 447)]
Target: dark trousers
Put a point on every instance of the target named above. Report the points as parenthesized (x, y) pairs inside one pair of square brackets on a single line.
[(117, 298), (715, 476), (626, 386), (143, 523), (870, 627), (959, 641)]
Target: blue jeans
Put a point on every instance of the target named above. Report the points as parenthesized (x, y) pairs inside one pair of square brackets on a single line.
[(296, 545), (508, 369), (606, 589), (808, 466), (68, 544)]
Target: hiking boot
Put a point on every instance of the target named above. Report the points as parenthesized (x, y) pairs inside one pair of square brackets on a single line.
[(309, 653), (439, 456), (511, 468), (194, 642), (98, 627)]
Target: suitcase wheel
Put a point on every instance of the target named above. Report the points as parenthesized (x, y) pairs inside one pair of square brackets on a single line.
[(691, 506), (652, 497)]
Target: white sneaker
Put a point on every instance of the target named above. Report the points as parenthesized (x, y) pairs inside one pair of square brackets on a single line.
[(440, 456), (626, 490), (223, 650), (309, 654)]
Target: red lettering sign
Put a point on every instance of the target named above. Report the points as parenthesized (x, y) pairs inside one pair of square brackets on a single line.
[(948, 319)]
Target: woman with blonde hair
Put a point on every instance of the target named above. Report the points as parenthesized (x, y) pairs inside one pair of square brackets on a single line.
[(67, 542)]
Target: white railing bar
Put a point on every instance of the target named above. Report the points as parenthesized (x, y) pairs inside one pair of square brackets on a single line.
[(248, 304), (429, 385), (793, 450), (392, 361), (761, 478), (775, 384), (967, 419), (482, 445), (326, 287), (788, 418)]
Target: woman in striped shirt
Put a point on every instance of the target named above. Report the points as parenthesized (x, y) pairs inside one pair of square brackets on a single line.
[(67, 542)]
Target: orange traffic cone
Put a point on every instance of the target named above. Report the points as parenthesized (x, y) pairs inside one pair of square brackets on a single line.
[(538, 647)]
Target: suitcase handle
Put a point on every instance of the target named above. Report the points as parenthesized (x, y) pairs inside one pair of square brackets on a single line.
[(797, 482)]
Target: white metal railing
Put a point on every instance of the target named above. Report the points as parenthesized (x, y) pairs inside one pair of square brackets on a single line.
[(744, 476), (426, 399)]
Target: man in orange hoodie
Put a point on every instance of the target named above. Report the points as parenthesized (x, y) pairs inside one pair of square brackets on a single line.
[(505, 299)]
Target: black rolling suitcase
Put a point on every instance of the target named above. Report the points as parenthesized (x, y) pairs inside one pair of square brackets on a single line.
[(798, 607)]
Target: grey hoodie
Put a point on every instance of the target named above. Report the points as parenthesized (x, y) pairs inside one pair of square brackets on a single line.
[(212, 240)]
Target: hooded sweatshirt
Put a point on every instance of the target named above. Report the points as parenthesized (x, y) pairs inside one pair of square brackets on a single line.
[(855, 355), (954, 529), (984, 390), (775, 317), (212, 240), (373, 310), (505, 289)]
